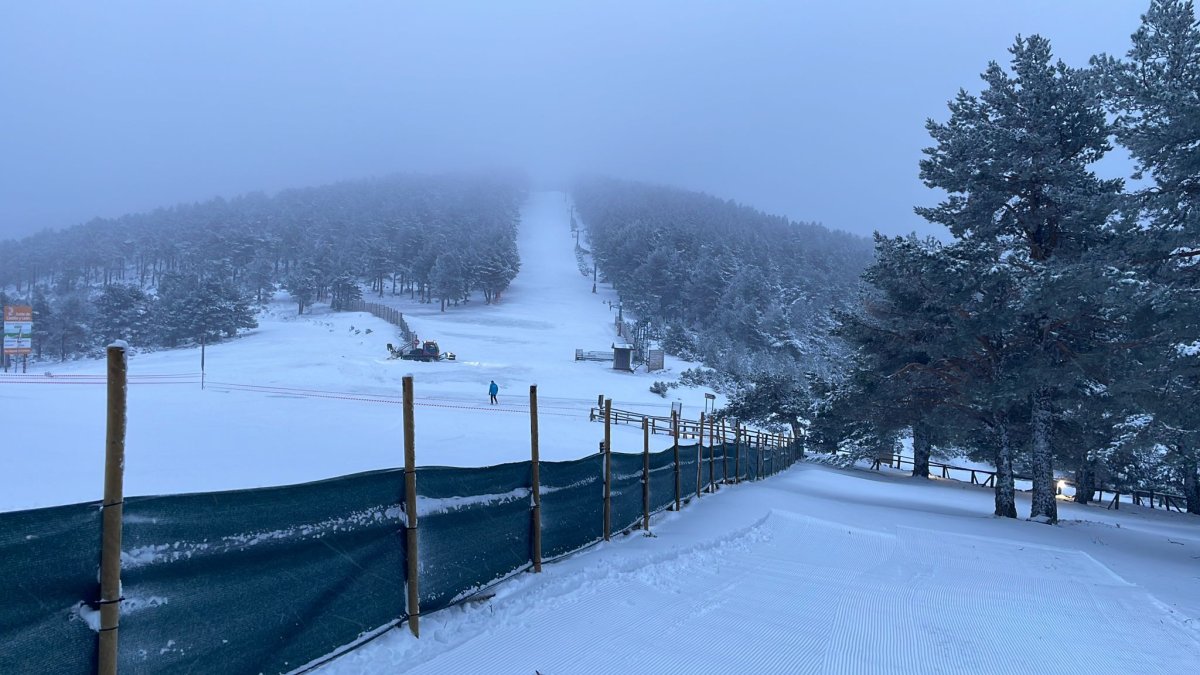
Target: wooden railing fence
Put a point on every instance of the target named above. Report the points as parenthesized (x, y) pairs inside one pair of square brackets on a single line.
[(987, 478)]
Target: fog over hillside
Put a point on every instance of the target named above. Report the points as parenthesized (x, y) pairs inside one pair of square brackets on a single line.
[(809, 110)]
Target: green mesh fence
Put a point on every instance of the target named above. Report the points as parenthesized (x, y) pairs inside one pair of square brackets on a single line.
[(626, 494), (272, 579), (662, 480), (49, 569), (737, 466), (687, 471), (722, 468), (572, 504), (710, 465), (261, 580), (475, 528)]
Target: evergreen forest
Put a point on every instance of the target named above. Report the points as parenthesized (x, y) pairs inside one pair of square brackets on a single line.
[(195, 272)]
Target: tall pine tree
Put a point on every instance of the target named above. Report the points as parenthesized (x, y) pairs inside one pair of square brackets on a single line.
[(1015, 164), (1155, 94)]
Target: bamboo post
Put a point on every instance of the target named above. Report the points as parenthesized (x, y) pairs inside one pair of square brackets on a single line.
[(748, 439), (759, 447), (410, 510), (645, 474), (772, 445), (737, 453), (700, 456), (675, 444), (712, 451), (535, 480), (724, 454), (607, 468), (113, 508)]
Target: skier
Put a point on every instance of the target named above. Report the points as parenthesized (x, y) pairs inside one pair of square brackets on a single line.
[(492, 391)]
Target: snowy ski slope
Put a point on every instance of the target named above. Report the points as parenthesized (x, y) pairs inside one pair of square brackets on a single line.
[(813, 571)]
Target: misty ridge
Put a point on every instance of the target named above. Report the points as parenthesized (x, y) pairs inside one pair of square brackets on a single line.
[(180, 275), (1053, 328)]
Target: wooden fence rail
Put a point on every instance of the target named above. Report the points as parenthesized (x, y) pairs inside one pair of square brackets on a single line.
[(720, 433), (388, 314), (987, 478), (586, 355)]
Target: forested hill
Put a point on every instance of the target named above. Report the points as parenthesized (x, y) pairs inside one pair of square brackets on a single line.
[(175, 275), (745, 291)]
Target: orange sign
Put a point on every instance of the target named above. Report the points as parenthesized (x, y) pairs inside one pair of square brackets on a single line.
[(18, 313)]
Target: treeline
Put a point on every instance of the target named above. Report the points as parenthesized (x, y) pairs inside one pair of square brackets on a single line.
[(1059, 327), (178, 275), (747, 293)]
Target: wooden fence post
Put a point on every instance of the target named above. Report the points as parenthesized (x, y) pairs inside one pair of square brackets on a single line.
[(410, 510), (607, 468), (535, 480), (737, 453), (712, 451), (725, 454), (759, 445), (675, 436), (113, 508), (646, 474), (700, 456)]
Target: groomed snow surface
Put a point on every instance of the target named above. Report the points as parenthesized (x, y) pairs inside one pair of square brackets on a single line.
[(815, 570), (819, 570)]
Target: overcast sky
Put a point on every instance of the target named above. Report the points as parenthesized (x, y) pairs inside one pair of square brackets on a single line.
[(814, 110)]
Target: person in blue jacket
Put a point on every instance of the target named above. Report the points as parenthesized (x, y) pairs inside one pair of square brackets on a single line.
[(492, 391)]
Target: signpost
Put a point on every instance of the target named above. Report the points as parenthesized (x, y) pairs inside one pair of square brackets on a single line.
[(18, 332)]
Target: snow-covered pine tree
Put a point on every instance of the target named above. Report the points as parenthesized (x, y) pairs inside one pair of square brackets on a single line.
[(896, 336), (1015, 161), (122, 312), (1154, 94)]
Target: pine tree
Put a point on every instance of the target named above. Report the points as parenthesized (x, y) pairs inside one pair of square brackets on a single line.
[(447, 280), (1015, 162), (1153, 93), (774, 397), (193, 306), (896, 335), (122, 313)]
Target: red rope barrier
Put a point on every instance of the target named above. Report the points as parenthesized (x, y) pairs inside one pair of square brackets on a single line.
[(298, 392)]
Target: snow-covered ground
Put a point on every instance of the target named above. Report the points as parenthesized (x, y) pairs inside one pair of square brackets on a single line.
[(814, 570), (819, 570), (309, 397)]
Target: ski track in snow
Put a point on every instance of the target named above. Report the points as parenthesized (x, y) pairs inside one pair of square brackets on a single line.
[(793, 593)]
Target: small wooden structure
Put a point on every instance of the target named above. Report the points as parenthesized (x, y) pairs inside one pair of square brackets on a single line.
[(623, 357), (655, 359)]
